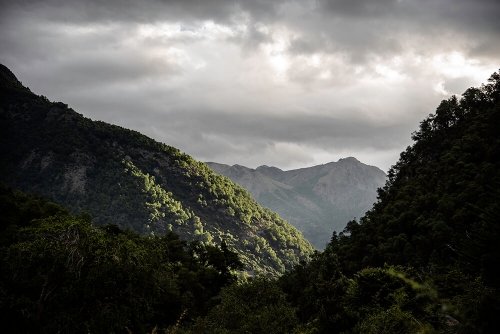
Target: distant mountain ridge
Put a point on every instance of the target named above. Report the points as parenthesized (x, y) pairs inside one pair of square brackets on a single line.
[(123, 177), (317, 200)]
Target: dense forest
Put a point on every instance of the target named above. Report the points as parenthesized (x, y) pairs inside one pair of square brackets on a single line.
[(124, 178), (60, 273), (422, 260)]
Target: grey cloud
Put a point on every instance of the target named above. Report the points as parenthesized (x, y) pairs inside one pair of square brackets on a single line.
[(360, 8), (250, 39), (357, 43), (473, 15), (143, 11), (84, 62), (285, 142), (386, 27), (456, 85), (322, 131), (355, 27)]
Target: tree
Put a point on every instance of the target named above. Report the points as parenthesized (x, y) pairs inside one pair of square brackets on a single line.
[(257, 306)]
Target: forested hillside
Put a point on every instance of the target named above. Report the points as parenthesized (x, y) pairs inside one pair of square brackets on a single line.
[(61, 274), (426, 257), (317, 200), (442, 195), (122, 177)]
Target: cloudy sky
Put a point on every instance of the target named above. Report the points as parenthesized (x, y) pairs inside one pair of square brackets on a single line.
[(284, 83)]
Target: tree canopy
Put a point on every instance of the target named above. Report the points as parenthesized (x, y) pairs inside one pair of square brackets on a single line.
[(61, 273)]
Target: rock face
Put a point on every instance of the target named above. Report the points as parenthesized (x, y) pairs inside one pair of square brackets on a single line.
[(317, 200)]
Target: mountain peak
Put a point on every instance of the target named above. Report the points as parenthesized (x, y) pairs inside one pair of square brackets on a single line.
[(7, 77), (266, 167), (348, 159), (272, 171)]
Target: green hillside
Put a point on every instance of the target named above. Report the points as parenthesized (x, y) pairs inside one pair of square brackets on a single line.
[(122, 177)]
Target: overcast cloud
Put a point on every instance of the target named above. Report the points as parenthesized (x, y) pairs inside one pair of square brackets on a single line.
[(284, 83)]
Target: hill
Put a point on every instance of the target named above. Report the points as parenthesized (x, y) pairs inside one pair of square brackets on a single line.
[(122, 177), (317, 200)]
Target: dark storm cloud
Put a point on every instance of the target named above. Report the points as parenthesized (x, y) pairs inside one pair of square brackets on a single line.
[(474, 16), (142, 11), (384, 27), (355, 27), (471, 15)]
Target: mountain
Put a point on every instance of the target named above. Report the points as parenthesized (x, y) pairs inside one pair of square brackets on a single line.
[(122, 177), (317, 200)]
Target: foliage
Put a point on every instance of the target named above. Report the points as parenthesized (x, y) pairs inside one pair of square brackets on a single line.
[(374, 300), (257, 306), (61, 273), (318, 290)]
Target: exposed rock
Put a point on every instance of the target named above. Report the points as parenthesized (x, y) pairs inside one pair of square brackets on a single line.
[(75, 176), (46, 161)]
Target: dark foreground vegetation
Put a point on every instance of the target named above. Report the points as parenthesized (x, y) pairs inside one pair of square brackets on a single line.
[(424, 259), (62, 274)]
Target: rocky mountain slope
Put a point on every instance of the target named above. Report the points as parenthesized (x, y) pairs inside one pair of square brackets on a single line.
[(317, 200), (122, 177)]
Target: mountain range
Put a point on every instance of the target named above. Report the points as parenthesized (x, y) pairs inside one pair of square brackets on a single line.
[(317, 200), (124, 178)]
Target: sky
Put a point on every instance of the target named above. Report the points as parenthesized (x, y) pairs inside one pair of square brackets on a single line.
[(285, 83)]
